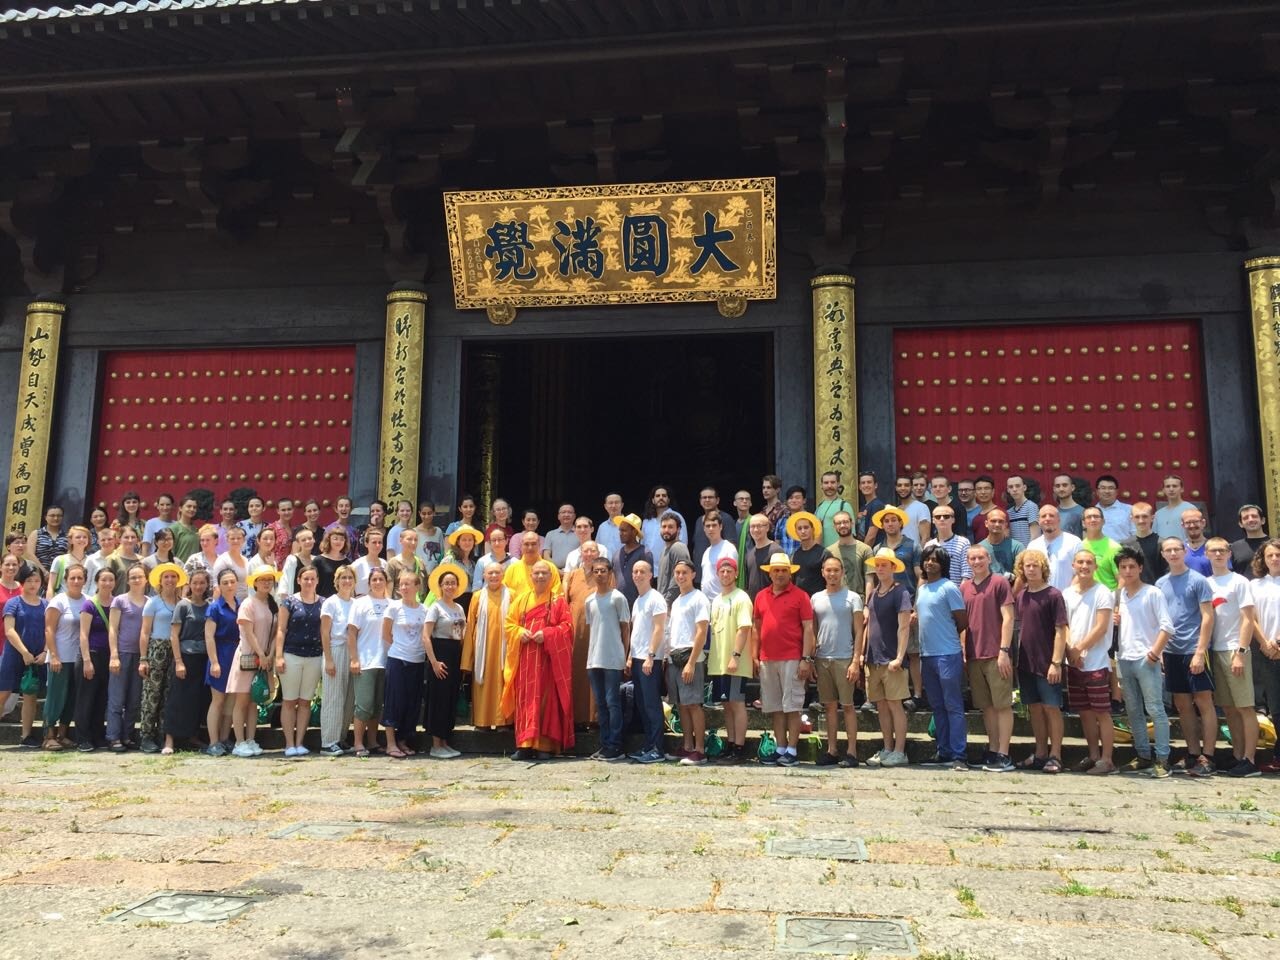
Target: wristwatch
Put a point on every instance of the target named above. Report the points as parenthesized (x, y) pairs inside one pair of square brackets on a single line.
[(808, 660), (1006, 649)]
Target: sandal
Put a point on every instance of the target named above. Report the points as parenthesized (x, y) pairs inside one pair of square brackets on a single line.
[(1085, 765), (1052, 765), (407, 750), (362, 754), (1032, 762), (397, 755), (1101, 769)]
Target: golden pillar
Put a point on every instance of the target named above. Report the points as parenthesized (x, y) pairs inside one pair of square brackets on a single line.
[(37, 376), (835, 399), (1264, 298), (402, 393), (488, 383)]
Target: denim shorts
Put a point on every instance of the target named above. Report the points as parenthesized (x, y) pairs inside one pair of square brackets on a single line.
[(1035, 689)]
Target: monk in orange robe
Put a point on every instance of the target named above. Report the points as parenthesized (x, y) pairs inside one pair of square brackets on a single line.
[(538, 674), (578, 588)]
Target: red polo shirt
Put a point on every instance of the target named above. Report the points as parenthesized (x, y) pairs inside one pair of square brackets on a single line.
[(782, 617)]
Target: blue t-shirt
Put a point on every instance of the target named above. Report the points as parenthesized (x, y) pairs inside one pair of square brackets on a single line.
[(161, 615), (1183, 595), (28, 620), (302, 635), (1197, 559), (935, 602)]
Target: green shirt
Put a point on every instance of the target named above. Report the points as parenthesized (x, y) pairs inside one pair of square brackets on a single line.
[(186, 541), (1104, 551)]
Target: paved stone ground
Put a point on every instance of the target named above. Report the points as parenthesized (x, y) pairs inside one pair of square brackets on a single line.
[(483, 857)]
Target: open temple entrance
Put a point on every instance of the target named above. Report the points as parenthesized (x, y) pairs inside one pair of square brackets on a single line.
[(548, 421)]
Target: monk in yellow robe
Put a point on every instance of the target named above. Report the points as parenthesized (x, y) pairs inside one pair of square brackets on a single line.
[(519, 576), (484, 648)]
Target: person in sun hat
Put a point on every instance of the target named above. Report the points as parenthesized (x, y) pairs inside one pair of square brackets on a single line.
[(442, 636), (894, 521), (806, 530), (783, 616), (630, 533), (256, 618), (167, 580), (882, 650), (461, 552)]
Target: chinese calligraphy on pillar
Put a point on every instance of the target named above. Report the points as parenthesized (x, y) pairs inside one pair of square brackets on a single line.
[(402, 395), (37, 374), (620, 243), (835, 402), (1264, 298)]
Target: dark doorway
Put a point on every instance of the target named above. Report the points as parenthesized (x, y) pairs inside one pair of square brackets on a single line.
[(576, 419)]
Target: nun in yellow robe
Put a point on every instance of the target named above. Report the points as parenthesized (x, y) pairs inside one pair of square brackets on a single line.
[(484, 648)]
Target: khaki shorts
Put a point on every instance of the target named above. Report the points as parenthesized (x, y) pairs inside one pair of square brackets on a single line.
[(1230, 690), (781, 691), (882, 684), (988, 687), (301, 677), (833, 683)]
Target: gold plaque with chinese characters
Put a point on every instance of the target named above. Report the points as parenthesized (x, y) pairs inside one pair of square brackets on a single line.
[(37, 376), (619, 243)]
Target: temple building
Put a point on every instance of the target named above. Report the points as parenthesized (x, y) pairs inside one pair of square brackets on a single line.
[(544, 248)]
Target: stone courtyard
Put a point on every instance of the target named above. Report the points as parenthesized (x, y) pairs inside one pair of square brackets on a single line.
[(194, 857)]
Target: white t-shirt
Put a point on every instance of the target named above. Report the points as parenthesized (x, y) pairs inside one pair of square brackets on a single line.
[(710, 557), (366, 617), (66, 637), (448, 621), (1142, 617), (918, 513), (406, 631), (1266, 605), (1061, 551), (1082, 610), (605, 616), (1231, 595), (361, 568), (339, 613), (687, 611), (644, 611)]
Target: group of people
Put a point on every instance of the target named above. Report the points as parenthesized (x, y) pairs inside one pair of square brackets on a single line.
[(168, 623)]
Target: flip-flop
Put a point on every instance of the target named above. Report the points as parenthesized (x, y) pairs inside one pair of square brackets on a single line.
[(1052, 765), (397, 755), (1100, 769)]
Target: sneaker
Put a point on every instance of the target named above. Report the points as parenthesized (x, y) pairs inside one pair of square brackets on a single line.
[(868, 707), (1204, 767), (32, 741), (439, 753), (1182, 766), (523, 754), (1136, 764), (960, 764), (937, 760), (452, 752), (909, 705), (84, 747), (290, 752), (149, 746), (649, 756), (228, 744), (999, 763), (242, 749), (1159, 769), (596, 755), (213, 750), (1244, 768), (693, 759), (253, 745), (787, 759), (635, 755), (300, 751), (987, 757), (332, 750), (826, 759), (609, 754), (877, 758), (894, 758), (771, 760), (850, 760)]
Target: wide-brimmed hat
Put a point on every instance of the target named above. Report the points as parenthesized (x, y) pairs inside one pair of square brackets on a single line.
[(630, 520), (779, 560), (887, 555), (433, 581), (464, 529), (161, 569), (803, 515), (261, 572), (892, 511)]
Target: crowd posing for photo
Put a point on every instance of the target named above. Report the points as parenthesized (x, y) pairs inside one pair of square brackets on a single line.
[(168, 633)]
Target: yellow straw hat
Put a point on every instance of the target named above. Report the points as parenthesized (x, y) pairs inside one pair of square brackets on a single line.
[(803, 515), (779, 560), (161, 569), (433, 581)]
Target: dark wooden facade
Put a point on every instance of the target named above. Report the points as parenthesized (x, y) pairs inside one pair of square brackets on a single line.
[(263, 173)]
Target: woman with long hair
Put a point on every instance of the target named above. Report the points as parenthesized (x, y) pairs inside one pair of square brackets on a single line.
[(336, 704), (130, 514), (221, 638), (98, 521), (368, 660), (333, 554), (95, 657), (157, 655), (124, 637), (299, 653), (311, 510), (188, 696), (62, 640), (125, 557), (402, 628), (256, 619), (207, 555), (235, 561), (161, 552), (466, 514), (462, 552), (265, 553), (24, 649), (442, 636), (78, 542), (301, 559)]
